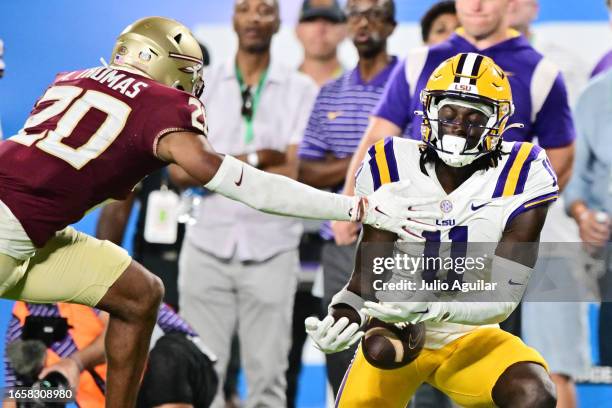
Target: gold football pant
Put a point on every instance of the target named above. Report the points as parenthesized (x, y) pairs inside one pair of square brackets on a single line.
[(465, 369), (72, 267)]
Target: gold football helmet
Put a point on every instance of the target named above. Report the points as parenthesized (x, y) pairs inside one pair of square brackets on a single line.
[(163, 49), (471, 80)]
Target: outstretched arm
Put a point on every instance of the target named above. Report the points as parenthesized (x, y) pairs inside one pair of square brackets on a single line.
[(280, 195)]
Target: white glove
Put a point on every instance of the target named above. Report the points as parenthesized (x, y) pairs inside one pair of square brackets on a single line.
[(389, 209), (405, 312), (332, 338)]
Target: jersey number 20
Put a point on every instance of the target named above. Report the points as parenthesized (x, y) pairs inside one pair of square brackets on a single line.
[(60, 98)]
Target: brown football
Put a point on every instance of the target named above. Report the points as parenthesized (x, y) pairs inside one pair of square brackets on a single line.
[(388, 346)]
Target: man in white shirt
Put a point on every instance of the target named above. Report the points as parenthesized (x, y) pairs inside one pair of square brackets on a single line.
[(238, 268)]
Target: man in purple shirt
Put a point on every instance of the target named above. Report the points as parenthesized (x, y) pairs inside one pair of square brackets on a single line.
[(336, 124), (538, 89)]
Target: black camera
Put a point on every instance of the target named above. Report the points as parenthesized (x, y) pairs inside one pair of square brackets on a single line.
[(27, 358)]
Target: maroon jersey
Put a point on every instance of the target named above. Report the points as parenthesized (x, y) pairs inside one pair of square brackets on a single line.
[(92, 136)]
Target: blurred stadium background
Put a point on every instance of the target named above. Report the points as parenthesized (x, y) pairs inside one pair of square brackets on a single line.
[(45, 37)]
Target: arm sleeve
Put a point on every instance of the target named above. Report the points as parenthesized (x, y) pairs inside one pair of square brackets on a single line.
[(553, 123), (276, 194), (541, 188), (494, 306), (314, 144), (394, 104)]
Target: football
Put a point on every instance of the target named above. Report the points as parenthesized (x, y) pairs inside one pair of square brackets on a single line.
[(388, 346)]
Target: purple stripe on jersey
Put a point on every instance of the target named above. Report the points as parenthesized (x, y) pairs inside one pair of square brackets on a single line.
[(326, 232), (544, 199), (64, 348), (522, 179), (550, 171), (603, 65), (45, 310), (459, 237), (169, 321), (14, 330), (501, 182), (346, 374), (372, 151), (374, 168), (13, 333), (358, 172), (391, 163), (431, 250)]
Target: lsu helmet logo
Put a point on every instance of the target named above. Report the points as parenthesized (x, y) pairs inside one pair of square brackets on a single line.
[(464, 88)]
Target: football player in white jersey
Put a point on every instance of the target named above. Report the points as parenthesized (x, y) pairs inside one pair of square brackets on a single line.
[(489, 191)]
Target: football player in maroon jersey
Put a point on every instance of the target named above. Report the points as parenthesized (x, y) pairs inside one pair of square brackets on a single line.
[(92, 136)]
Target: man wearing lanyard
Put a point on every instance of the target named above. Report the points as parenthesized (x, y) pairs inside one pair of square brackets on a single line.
[(238, 269), (335, 126)]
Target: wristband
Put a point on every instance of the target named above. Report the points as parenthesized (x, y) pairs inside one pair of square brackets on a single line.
[(350, 299)]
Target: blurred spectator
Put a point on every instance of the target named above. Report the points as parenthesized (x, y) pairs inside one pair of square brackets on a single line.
[(540, 327), (179, 371), (575, 74), (244, 274), (339, 118), (439, 22), (542, 108), (606, 61), (71, 333), (588, 196), (320, 30)]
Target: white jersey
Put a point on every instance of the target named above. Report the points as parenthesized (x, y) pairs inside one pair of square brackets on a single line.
[(477, 211)]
